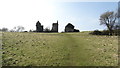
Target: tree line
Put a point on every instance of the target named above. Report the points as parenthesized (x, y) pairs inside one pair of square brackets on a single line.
[(21, 29), (15, 29)]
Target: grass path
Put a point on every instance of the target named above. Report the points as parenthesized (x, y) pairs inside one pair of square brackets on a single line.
[(70, 46), (76, 54)]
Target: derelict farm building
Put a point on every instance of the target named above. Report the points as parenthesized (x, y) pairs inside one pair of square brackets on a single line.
[(55, 27), (39, 27), (70, 28)]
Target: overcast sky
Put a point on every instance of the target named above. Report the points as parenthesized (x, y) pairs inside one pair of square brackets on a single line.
[(84, 15)]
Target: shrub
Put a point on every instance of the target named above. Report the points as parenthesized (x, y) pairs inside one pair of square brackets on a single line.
[(105, 32), (116, 32), (96, 32)]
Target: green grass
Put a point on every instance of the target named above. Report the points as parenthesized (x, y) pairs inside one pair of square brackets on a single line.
[(59, 49)]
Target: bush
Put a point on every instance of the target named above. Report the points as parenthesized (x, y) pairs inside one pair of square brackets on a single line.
[(116, 32), (47, 30), (105, 32), (96, 32)]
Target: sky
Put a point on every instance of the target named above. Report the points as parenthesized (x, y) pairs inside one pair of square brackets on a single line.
[(84, 15)]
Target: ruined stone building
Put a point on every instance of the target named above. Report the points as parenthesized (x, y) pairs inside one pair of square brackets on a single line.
[(55, 27), (70, 28), (39, 27)]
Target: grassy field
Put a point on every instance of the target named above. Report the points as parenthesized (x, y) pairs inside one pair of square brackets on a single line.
[(58, 49)]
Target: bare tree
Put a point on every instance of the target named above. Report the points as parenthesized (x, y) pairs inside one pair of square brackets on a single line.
[(108, 19), (47, 29), (19, 28), (12, 30), (118, 24), (119, 9)]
